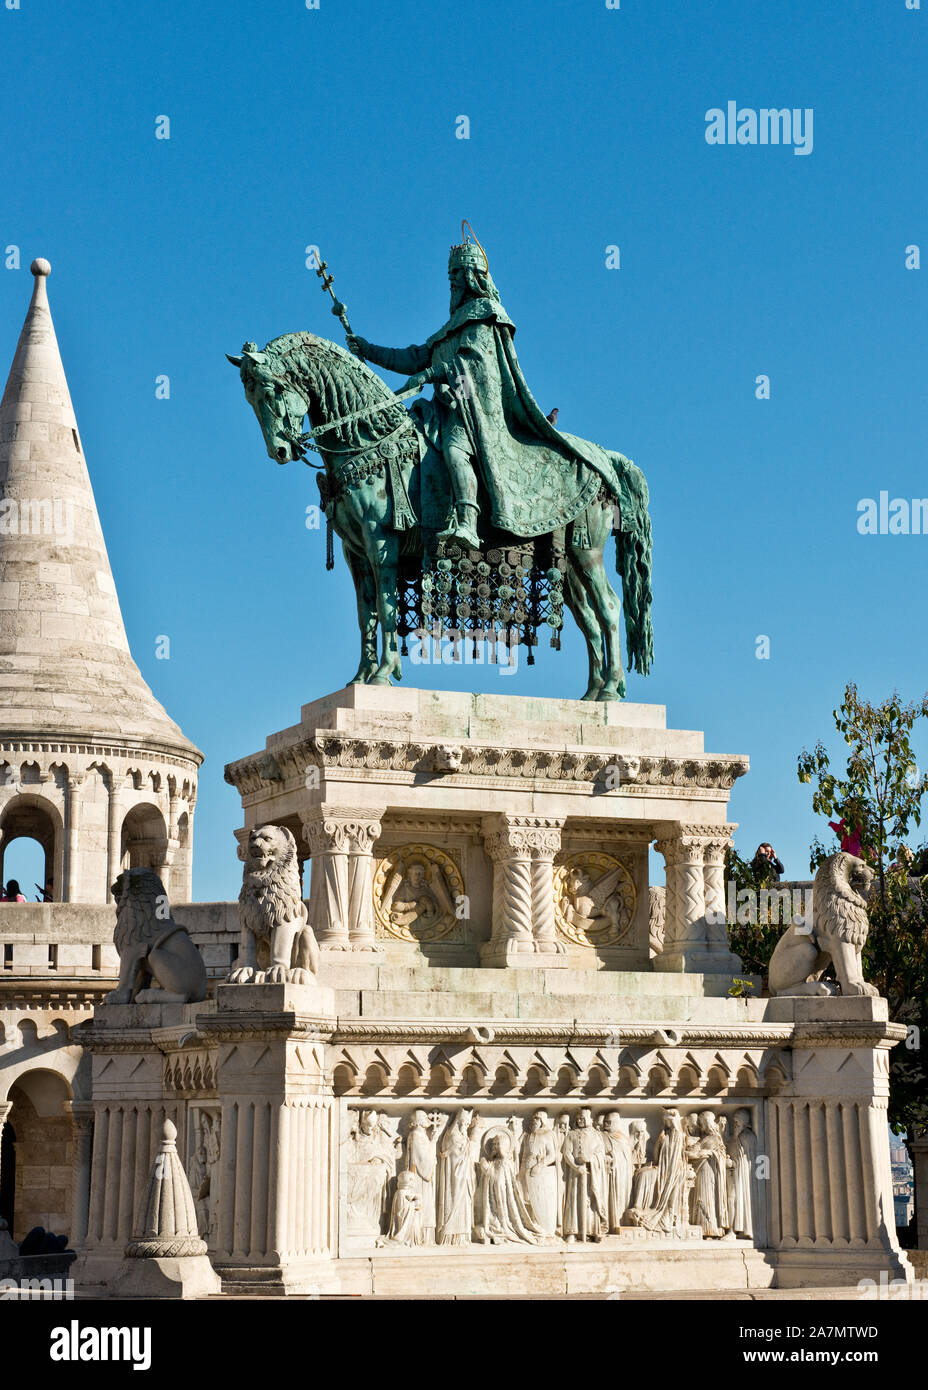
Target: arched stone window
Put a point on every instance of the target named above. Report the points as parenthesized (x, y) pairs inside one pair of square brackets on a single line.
[(42, 1157), (29, 816), (144, 841)]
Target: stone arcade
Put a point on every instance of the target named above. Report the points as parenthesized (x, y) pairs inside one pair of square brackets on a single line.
[(519, 1068)]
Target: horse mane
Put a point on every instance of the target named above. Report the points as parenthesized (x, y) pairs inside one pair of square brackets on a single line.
[(340, 383)]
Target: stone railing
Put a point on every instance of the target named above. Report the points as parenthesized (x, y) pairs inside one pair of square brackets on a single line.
[(74, 941)]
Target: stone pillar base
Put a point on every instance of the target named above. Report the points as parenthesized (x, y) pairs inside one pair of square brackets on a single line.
[(184, 1276), (303, 1278), (520, 955), (264, 999), (698, 959), (872, 1272)]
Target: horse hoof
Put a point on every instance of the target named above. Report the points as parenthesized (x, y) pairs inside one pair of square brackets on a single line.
[(612, 692), (382, 677)]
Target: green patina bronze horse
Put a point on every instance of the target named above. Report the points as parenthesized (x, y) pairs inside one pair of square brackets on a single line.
[(385, 492)]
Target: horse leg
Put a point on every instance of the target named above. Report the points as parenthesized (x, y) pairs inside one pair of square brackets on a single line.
[(585, 618), (605, 601), (366, 594), (383, 550)]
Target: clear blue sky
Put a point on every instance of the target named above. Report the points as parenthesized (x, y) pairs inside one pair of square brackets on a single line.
[(336, 127)]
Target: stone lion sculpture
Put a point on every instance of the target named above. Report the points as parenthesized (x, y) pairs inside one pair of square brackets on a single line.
[(277, 944), (838, 932), (152, 946)]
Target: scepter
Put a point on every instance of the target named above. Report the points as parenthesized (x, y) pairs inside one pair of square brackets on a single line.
[(338, 309)]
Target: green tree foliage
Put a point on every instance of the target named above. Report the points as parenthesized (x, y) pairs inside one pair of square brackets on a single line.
[(753, 940), (880, 797)]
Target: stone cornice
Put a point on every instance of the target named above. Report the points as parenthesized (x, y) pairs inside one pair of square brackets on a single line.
[(331, 751), (212, 1030), (156, 750), (670, 1036)]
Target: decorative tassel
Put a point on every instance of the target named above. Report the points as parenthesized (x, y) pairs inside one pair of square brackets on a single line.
[(329, 542)]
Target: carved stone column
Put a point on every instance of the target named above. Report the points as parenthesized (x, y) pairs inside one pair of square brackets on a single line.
[(714, 848), (72, 848), (340, 842), (113, 835), (184, 889), (82, 1114), (545, 843), (695, 937), (522, 849)]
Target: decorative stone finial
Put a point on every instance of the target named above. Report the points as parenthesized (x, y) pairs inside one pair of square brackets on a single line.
[(169, 1224), (40, 266), (167, 1257)]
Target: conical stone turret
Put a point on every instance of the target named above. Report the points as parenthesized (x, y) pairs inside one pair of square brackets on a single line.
[(79, 728)]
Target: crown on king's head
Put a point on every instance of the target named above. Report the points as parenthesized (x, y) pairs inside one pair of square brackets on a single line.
[(467, 257), (470, 255)]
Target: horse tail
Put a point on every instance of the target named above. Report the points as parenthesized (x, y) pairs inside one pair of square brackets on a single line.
[(633, 561)]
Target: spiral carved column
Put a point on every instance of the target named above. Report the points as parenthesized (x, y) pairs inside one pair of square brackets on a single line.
[(546, 843), (522, 849)]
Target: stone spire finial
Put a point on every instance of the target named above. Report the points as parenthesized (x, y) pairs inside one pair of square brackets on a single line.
[(169, 1225)]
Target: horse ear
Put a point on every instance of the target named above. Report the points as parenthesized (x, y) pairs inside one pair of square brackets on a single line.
[(236, 361)]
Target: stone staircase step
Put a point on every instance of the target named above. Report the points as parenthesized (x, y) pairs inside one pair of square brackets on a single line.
[(485, 1006), (356, 972)]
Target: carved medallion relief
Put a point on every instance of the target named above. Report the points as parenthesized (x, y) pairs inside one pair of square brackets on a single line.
[(417, 891), (594, 899)]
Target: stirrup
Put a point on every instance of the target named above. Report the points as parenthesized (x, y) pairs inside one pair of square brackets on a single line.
[(458, 528)]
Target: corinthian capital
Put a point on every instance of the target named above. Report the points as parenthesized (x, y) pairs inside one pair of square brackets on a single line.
[(521, 837), (342, 829)]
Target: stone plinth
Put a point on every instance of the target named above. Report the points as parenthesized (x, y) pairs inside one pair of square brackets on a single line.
[(308, 1104), (498, 829)]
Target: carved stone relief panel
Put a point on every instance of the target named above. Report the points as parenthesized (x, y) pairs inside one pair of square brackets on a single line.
[(204, 1141), (516, 1174), (594, 899), (418, 894)]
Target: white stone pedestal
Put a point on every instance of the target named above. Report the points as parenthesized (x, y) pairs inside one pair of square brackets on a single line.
[(493, 1002), (314, 1093), (536, 815)]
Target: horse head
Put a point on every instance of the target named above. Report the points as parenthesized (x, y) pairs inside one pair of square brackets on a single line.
[(276, 400), (299, 374)]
